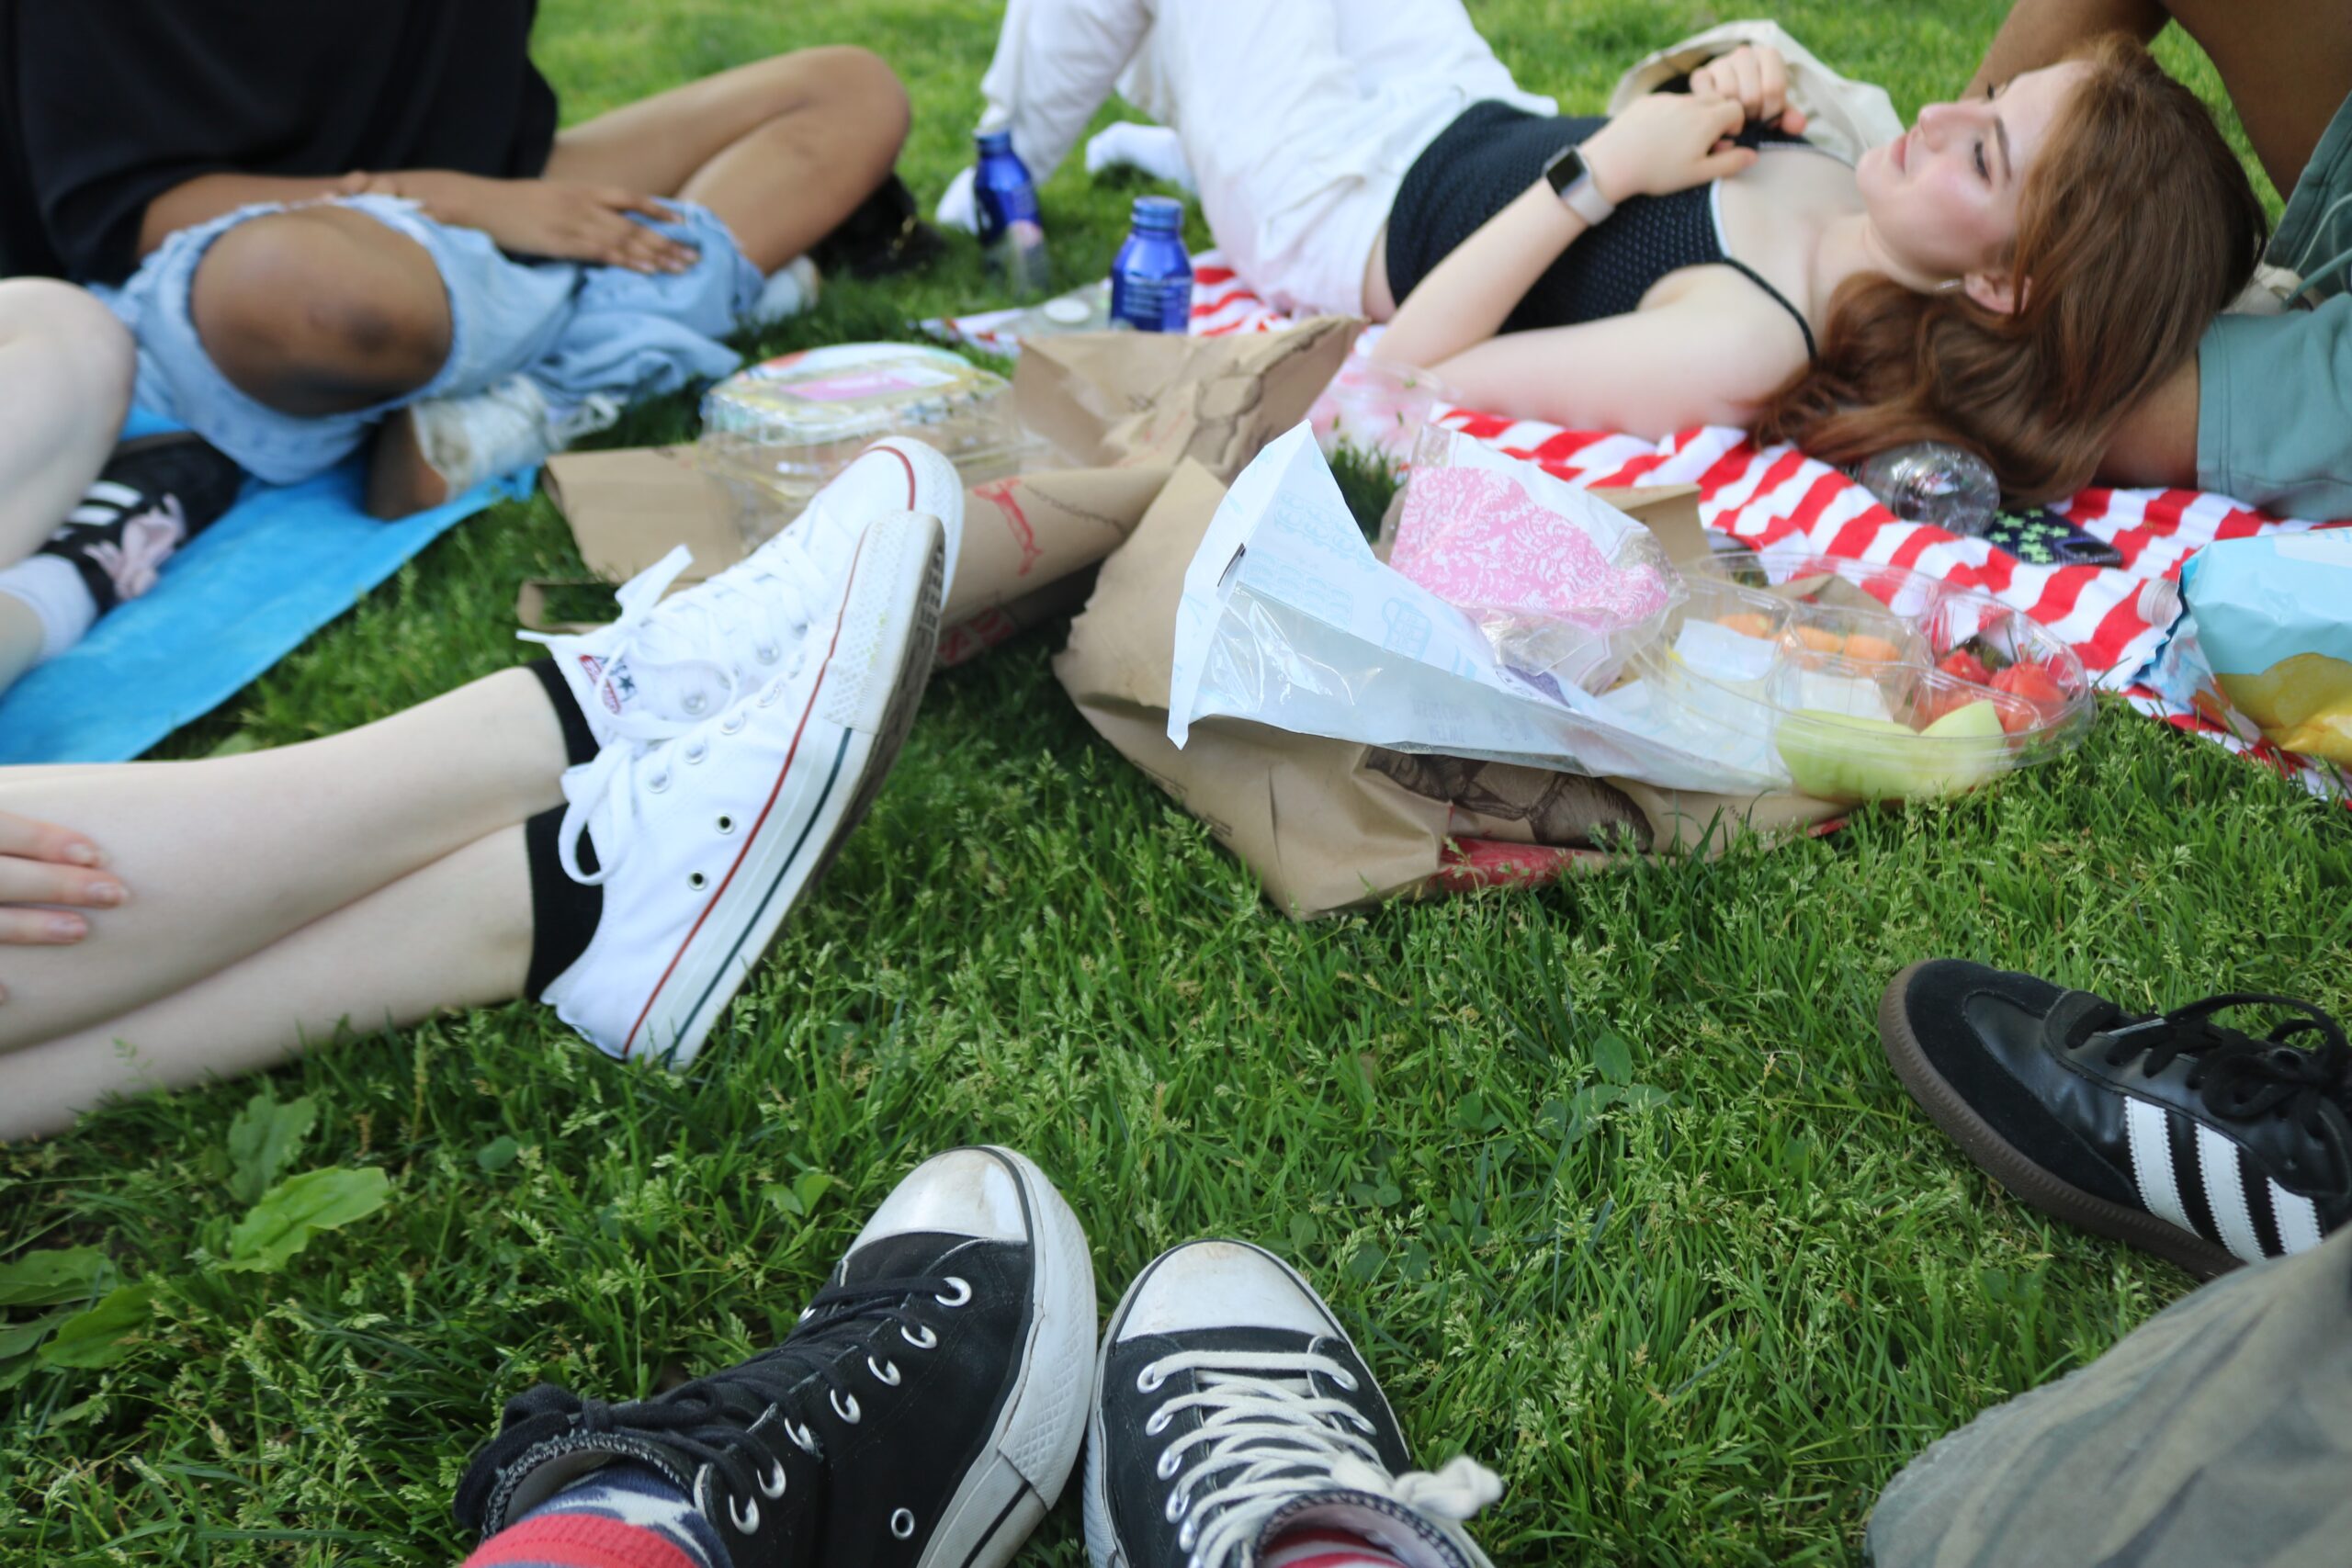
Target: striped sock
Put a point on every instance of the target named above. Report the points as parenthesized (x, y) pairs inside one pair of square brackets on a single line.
[(624, 1516), (1324, 1548)]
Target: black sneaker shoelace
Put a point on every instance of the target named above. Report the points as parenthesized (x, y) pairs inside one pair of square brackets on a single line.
[(2243, 1078), (844, 1335)]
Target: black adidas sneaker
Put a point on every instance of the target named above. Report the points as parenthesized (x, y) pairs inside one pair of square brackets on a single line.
[(154, 494), (2196, 1141), (1231, 1412), (924, 1414)]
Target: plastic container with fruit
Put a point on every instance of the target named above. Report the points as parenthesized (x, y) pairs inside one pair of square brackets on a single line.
[(1853, 682)]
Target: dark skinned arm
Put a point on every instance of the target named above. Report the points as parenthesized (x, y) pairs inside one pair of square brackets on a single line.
[(2042, 32), (207, 196)]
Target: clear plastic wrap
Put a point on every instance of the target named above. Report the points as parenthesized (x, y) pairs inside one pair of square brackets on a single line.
[(777, 432), (1565, 586)]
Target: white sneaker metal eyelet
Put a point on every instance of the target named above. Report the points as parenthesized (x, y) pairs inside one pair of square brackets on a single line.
[(802, 1437), (695, 703), (733, 723), (929, 1340), (807, 1313), (768, 698), (726, 824), (1171, 1461), (849, 1410), (775, 1491), (1148, 1380), (767, 653), (1187, 1536), (1346, 1380), (886, 1373), (696, 751), (963, 1293), (1157, 1424), (1175, 1508), (902, 1525), (748, 1520), (658, 782), (697, 881)]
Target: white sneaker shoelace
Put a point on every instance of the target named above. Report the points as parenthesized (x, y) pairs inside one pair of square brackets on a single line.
[(1264, 1431)]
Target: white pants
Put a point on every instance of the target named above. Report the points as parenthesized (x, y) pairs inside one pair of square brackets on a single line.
[(1298, 117)]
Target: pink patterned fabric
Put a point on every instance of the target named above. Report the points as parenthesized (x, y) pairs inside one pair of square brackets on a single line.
[(1475, 540)]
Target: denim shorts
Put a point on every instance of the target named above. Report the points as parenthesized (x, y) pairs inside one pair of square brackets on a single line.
[(581, 333)]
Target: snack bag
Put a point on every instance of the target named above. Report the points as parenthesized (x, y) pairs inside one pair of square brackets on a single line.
[(2274, 621)]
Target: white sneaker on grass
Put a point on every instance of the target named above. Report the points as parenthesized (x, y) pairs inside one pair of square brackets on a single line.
[(684, 658), (704, 833)]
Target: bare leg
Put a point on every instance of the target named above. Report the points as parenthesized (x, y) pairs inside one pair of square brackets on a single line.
[(66, 364), (225, 857), (781, 150), (455, 934), (2157, 443), (321, 310)]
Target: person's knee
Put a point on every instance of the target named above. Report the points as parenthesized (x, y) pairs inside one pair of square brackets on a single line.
[(864, 87), (306, 313), (81, 343)]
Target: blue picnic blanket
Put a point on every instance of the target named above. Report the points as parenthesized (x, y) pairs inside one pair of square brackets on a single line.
[(283, 562)]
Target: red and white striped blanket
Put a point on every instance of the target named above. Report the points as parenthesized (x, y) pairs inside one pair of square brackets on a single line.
[(1764, 495)]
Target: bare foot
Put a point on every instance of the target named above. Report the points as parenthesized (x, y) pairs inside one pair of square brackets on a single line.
[(399, 481)]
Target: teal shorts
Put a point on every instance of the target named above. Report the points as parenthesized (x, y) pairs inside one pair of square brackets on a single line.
[(2274, 406)]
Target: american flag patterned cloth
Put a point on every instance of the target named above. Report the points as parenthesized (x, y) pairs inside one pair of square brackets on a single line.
[(1775, 499)]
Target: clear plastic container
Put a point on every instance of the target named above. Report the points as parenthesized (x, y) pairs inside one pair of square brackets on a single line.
[(1855, 681), (777, 432)]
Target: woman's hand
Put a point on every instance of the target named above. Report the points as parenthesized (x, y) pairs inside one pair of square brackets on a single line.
[(44, 864), (1755, 78), (1667, 143), (558, 219)]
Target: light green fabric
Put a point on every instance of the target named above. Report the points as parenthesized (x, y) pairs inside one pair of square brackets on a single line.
[(2218, 1433), (2274, 411)]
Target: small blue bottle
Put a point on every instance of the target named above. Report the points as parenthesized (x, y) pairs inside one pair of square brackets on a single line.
[(1013, 234), (1152, 283)]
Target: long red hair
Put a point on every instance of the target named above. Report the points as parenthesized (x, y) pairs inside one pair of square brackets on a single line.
[(2137, 226)]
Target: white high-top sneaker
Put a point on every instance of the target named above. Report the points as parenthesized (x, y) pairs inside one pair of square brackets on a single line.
[(705, 833), (685, 658)]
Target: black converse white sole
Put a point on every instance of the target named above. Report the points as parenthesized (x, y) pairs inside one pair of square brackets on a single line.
[(877, 658), (1103, 1548), (1028, 1459)]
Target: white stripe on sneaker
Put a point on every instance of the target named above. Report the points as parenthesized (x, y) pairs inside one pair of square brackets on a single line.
[(2298, 1220), (113, 494), (2225, 1194), (2151, 1141)]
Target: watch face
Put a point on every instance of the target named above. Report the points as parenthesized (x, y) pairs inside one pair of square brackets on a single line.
[(1564, 170)]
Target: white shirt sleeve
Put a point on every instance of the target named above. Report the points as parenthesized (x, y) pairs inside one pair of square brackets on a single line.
[(1057, 63)]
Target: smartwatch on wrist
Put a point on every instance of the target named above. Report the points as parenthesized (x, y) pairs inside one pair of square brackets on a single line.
[(1572, 181)]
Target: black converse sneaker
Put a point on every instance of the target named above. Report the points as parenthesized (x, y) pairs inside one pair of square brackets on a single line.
[(925, 1414), (1230, 1411), (2196, 1141), (154, 494)]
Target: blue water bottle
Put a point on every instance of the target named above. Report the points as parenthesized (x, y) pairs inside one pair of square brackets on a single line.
[(1152, 283), (1012, 235)]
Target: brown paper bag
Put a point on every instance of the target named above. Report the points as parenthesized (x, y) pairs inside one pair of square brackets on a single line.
[(1122, 407), (1327, 824)]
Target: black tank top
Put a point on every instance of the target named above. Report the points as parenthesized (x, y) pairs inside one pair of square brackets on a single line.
[(1481, 163)]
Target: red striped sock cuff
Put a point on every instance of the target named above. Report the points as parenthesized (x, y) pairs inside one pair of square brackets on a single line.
[(577, 1541), (1326, 1548)]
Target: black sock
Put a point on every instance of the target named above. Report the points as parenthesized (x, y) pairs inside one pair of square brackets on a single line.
[(579, 742), (563, 912)]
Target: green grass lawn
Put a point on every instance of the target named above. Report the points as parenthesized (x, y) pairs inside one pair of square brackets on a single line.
[(1610, 1181)]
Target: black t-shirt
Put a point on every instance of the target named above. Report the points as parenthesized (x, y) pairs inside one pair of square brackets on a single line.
[(105, 105)]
